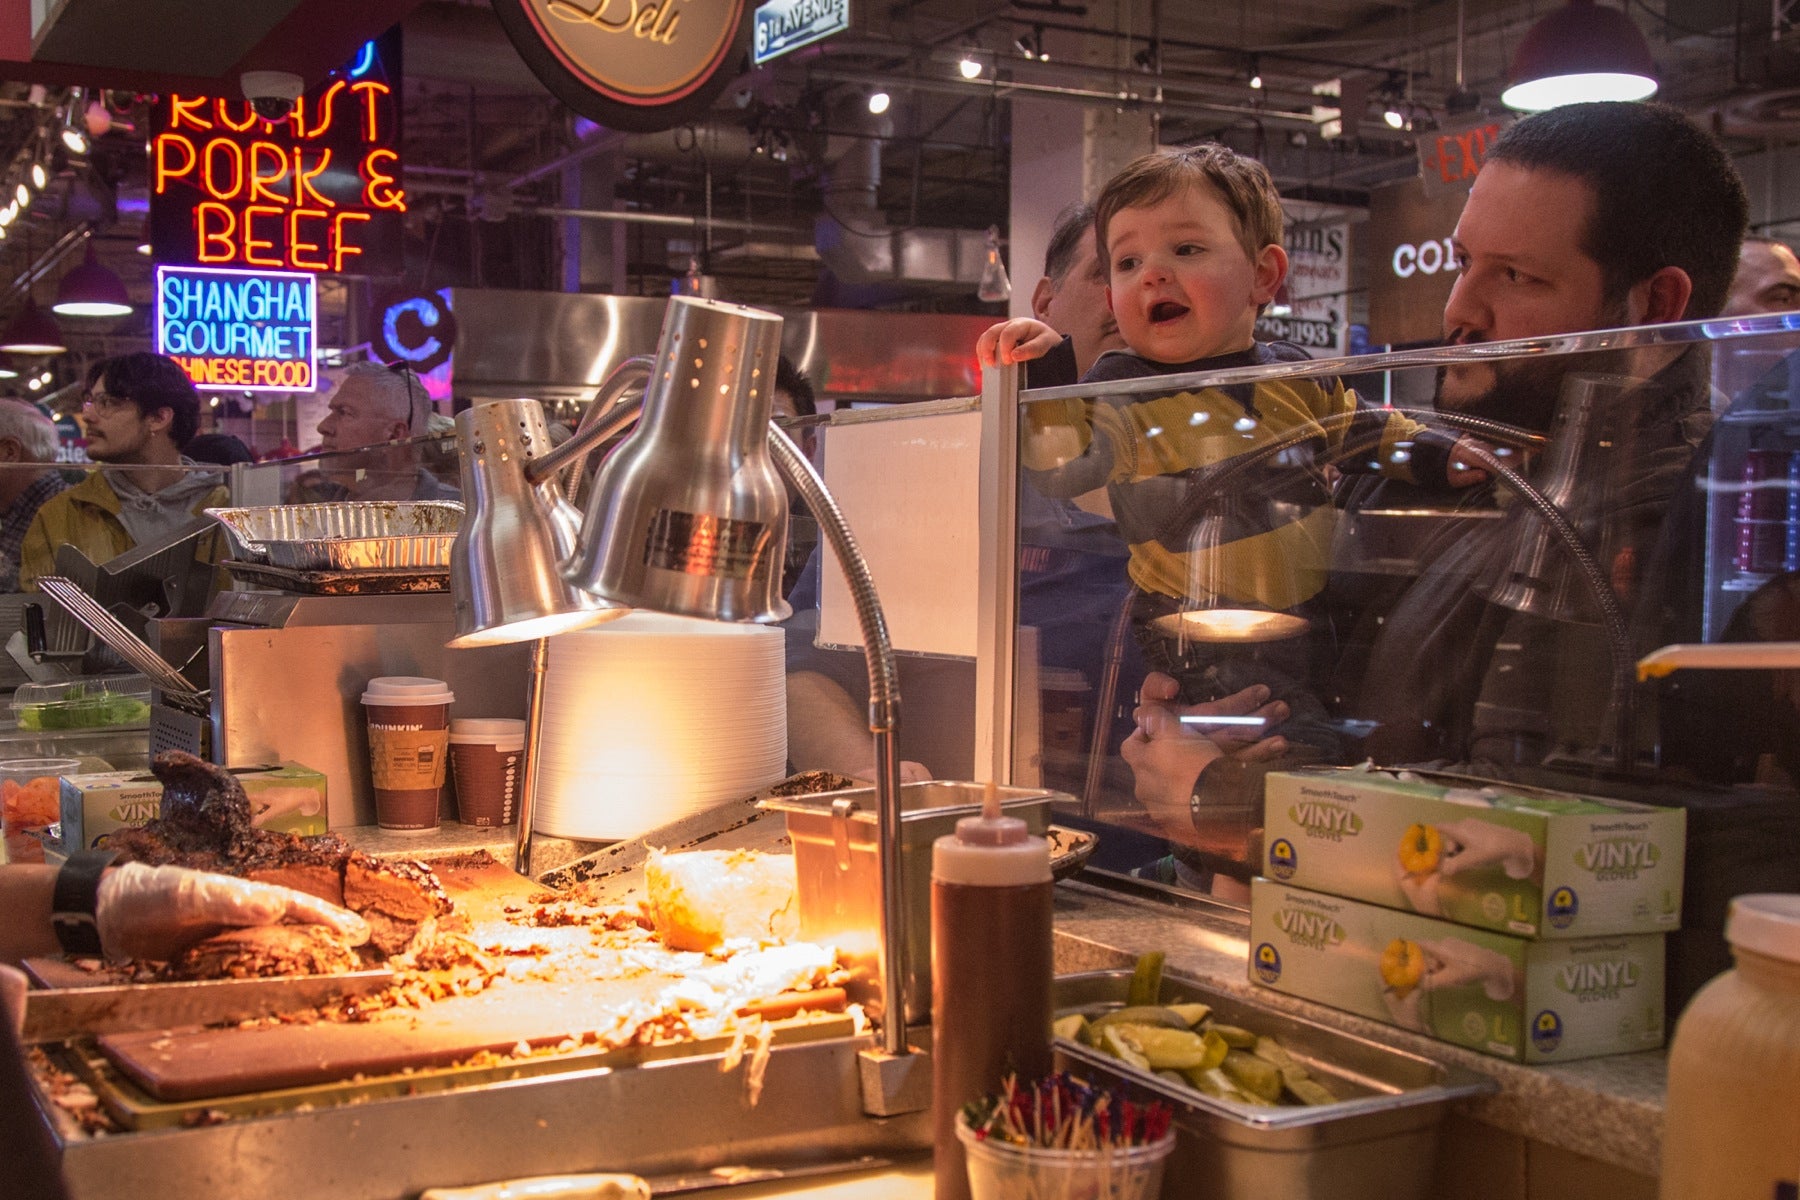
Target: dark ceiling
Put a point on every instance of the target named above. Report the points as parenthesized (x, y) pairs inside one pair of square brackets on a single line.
[(495, 165)]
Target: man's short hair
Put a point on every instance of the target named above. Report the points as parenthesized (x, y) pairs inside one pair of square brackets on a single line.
[(399, 391), (152, 382), (1072, 224), (26, 425), (789, 379), (1665, 192), (1243, 185)]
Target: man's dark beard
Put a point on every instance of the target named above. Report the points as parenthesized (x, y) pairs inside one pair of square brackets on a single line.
[(1526, 391)]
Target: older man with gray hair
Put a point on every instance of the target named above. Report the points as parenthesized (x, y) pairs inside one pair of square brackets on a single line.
[(27, 479), (376, 409)]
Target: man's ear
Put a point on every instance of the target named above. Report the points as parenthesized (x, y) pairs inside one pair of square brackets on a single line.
[(160, 420), (11, 450), (1041, 296), (1271, 270), (1661, 298)]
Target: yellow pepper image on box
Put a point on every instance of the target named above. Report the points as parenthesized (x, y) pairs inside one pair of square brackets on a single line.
[(1402, 965), (1421, 848)]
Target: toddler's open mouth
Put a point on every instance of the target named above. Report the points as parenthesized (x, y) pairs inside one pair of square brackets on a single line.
[(1167, 310)]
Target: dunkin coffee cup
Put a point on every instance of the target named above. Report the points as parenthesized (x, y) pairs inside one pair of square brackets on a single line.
[(409, 736), (489, 753)]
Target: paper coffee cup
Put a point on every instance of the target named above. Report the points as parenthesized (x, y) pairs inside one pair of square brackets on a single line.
[(489, 754), (409, 737)]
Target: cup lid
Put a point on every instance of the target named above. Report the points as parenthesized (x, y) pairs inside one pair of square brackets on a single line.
[(507, 731), (407, 689), (1766, 923)]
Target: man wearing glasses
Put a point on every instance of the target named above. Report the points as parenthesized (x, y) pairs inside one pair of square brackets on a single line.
[(375, 412), (139, 412)]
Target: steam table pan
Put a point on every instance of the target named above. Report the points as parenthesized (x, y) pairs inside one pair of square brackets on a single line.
[(1379, 1141), (349, 535)]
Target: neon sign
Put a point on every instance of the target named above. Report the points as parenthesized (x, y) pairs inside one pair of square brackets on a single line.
[(250, 331), (319, 191)]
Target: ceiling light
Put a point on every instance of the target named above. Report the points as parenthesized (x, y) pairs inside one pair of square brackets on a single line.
[(24, 197), (39, 176), (879, 102), (1580, 52), (7, 215), (1394, 117), (7, 370), (91, 290), (75, 140), (1256, 82), (32, 331), (145, 249), (34, 383), (970, 68)]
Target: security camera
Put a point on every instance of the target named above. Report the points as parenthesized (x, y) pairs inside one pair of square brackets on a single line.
[(272, 93)]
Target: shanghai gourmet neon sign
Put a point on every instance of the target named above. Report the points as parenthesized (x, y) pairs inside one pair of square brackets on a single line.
[(253, 331)]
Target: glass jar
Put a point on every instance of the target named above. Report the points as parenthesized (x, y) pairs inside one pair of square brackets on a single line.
[(1732, 1127)]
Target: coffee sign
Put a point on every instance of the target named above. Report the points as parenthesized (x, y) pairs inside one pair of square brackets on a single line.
[(630, 64)]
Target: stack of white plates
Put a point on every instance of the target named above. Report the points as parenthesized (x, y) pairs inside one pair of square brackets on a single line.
[(650, 718)]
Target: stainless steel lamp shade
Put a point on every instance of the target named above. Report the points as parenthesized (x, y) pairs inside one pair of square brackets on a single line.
[(689, 516), (505, 575)]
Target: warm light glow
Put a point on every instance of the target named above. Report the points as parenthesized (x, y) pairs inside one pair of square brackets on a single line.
[(1233, 625), (879, 102), (1536, 95), (39, 176), (75, 140), (144, 249), (970, 68), (24, 195), (1394, 118), (1256, 82), (536, 627)]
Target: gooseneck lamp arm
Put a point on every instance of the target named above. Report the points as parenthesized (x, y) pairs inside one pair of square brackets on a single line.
[(884, 723)]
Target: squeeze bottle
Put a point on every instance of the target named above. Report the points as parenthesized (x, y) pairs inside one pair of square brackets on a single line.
[(990, 971)]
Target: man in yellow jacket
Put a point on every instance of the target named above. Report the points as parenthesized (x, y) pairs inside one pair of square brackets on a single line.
[(139, 411)]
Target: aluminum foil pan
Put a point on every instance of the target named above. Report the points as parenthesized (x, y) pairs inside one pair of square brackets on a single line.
[(350, 535)]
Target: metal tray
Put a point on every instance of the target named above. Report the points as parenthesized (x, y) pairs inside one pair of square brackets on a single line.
[(836, 861), (349, 535), (1378, 1143), (399, 581)]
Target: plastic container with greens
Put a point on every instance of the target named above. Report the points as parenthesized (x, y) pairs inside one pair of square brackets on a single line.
[(96, 702)]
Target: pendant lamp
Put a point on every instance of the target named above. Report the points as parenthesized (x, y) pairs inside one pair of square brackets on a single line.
[(91, 290), (32, 331), (1580, 52)]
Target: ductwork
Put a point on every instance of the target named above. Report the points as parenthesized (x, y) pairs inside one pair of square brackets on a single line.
[(853, 237)]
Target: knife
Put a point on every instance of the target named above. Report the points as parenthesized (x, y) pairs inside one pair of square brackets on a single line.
[(636, 1187), (56, 1014)]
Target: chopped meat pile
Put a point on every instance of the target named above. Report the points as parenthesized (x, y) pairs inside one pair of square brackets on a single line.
[(266, 950), (204, 823)]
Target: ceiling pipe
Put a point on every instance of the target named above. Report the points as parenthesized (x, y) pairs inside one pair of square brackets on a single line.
[(627, 218)]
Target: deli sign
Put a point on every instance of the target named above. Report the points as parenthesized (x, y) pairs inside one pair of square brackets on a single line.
[(641, 65)]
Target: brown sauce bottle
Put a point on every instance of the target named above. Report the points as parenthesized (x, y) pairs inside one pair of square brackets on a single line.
[(991, 972)]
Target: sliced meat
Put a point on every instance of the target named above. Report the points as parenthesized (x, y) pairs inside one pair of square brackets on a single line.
[(398, 887), (299, 863)]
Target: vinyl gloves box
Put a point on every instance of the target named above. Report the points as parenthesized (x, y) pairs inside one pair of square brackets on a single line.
[(1530, 1001), (288, 798), (1515, 859)]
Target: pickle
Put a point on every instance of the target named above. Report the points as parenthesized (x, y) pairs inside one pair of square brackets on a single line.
[(1118, 1043), (1304, 1087), (1216, 1049), (1146, 979), (1214, 1083), (1074, 1027), (1270, 1050), (1176, 1048), (1253, 1075), (1192, 1014), (1236, 1036), (1141, 1014)]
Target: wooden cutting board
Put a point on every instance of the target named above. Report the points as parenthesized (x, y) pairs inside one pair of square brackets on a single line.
[(194, 1064)]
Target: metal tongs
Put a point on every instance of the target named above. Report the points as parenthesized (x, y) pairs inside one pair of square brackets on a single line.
[(126, 644)]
